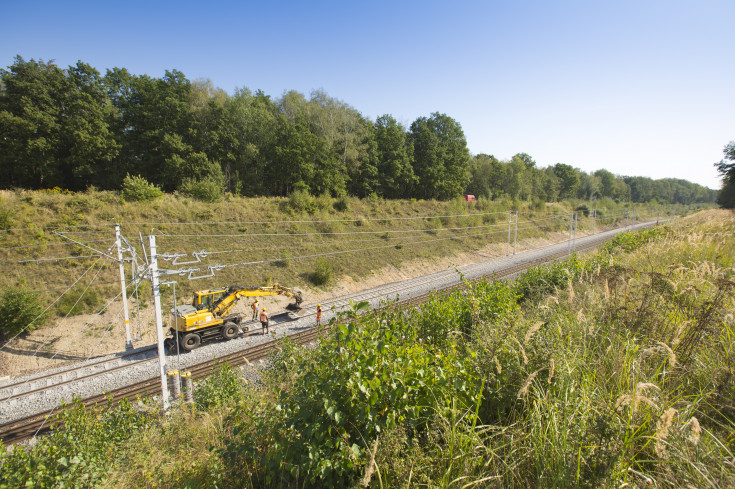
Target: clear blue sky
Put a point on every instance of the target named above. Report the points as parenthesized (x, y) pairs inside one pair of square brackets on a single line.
[(637, 87)]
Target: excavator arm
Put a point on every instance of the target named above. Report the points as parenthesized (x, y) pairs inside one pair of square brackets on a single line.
[(235, 293)]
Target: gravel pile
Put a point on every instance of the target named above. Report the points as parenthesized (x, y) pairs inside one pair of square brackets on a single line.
[(51, 397)]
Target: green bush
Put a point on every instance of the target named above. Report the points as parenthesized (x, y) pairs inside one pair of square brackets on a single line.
[(342, 204), (631, 241), (323, 273), (545, 279), (370, 374), (79, 301), (79, 453), (324, 201), (208, 189), (302, 201), (222, 388), (138, 189), (19, 310), (6, 218)]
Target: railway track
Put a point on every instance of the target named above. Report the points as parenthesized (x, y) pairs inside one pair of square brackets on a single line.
[(30, 426)]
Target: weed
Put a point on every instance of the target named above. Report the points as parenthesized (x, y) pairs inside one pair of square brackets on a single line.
[(323, 273)]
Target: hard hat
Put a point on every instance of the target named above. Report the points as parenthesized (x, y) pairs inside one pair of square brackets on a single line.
[(318, 305), (256, 299), (264, 309)]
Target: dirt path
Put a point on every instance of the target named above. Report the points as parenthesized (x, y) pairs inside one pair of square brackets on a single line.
[(80, 337)]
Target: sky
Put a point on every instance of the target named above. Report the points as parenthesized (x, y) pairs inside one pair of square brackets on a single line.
[(643, 88)]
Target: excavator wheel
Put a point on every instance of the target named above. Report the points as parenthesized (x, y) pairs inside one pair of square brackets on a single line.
[(229, 330), (191, 341)]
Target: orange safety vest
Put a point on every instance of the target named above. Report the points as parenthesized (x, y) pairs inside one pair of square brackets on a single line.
[(263, 317), (319, 313), (255, 306)]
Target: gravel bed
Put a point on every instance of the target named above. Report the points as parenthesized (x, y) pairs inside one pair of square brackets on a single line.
[(51, 397)]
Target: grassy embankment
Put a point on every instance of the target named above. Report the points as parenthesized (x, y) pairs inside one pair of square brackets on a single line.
[(266, 229), (615, 370)]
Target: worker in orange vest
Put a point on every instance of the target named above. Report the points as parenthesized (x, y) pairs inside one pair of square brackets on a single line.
[(255, 309), (318, 314), (264, 321)]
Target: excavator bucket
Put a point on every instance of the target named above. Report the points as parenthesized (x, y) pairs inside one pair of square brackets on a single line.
[(293, 307)]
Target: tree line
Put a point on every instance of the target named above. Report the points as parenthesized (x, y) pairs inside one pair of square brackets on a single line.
[(726, 169), (74, 128)]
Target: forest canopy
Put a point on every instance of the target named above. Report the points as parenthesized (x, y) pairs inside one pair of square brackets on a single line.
[(74, 128)]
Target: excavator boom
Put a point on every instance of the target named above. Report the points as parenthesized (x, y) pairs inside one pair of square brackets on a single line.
[(225, 304)]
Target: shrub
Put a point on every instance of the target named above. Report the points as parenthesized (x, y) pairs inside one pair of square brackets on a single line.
[(322, 274), (6, 218), (79, 452), (583, 209), (323, 427), (208, 189), (631, 241), (18, 310), (222, 388), (544, 279), (138, 189), (342, 204), (324, 201), (79, 302), (302, 201)]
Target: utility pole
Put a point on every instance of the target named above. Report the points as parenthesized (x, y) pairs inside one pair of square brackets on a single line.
[(118, 242), (507, 250), (515, 236), (155, 285), (594, 215), (569, 243), (574, 241)]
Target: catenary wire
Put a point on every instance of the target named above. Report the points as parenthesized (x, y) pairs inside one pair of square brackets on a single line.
[(310, 220)]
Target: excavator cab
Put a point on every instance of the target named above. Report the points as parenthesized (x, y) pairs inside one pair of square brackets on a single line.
[(206, 299)]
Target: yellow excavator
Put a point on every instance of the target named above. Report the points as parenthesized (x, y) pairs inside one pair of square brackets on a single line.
[(210, 314)]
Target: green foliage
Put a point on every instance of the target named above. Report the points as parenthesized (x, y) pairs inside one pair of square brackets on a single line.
[(222, 388), (541, 280), (73, 128), (78, 453), (482, 303), (18, 310), (441, 157), (370, 374), (342, 204), (302, 201), (6, 218), (631, 241), (583, 209), (137, 189), (323, 273), (208, 189), (79, 301), (726, 169)]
